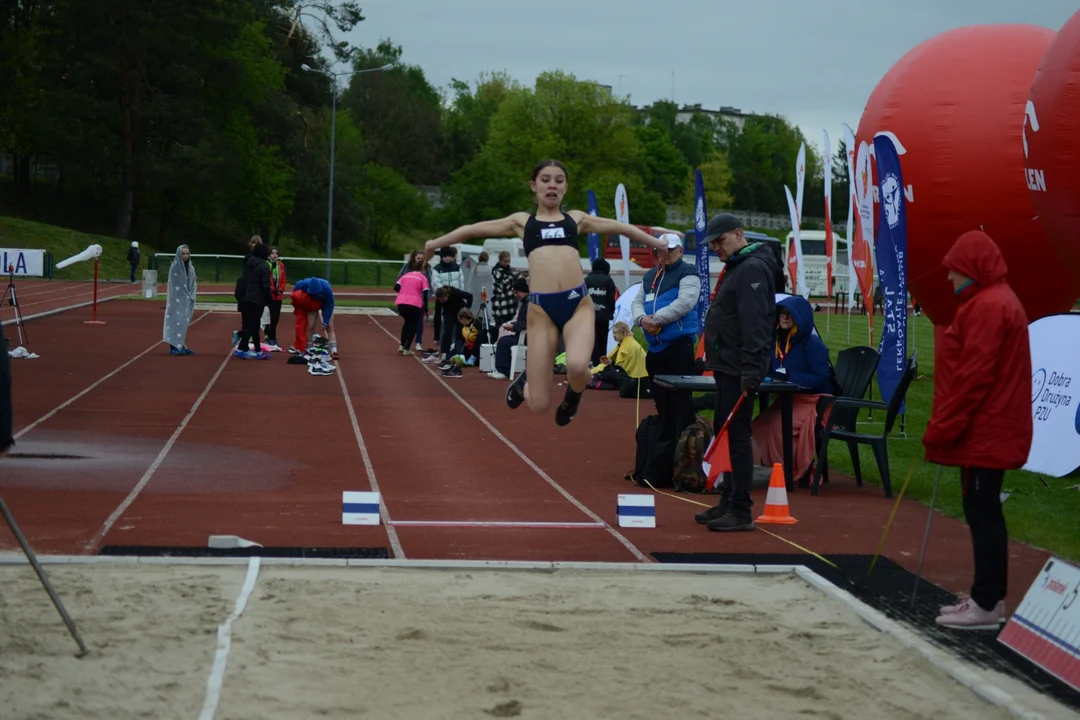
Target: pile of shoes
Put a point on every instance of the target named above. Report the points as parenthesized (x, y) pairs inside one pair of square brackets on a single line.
[(318, 360)]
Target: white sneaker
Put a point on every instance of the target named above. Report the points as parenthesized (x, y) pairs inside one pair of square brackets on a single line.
[(496, 375), (419, 347)]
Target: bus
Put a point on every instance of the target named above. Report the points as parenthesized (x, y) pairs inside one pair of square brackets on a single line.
[(813, 252)]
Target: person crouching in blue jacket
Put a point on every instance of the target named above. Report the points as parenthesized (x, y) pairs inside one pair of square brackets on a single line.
[(801, 357), (319, 289)]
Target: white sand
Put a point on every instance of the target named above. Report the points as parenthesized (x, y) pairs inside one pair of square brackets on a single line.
[(399, 643)]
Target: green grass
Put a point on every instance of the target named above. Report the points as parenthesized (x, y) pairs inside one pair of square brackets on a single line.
[(1040, 511), (63, 243)]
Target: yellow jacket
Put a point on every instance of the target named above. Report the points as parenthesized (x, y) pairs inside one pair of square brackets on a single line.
[(630, 356)]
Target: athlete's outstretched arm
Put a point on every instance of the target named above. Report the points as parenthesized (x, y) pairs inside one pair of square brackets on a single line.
[(592, 223), (503, 227)]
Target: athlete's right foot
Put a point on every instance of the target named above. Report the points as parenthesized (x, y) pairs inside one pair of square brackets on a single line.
[(515, 394), (568, 408)]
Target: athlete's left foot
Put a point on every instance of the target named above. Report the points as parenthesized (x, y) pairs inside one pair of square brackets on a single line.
[(568, 408), (515, 394)]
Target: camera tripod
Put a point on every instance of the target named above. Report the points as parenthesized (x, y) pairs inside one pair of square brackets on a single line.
[(13, 301)]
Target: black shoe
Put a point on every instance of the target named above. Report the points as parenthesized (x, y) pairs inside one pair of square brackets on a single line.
[(730, 522), (713, 513), (515, 394), (568, 407)]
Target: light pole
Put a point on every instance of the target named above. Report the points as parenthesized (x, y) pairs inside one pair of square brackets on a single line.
[(333, 137)]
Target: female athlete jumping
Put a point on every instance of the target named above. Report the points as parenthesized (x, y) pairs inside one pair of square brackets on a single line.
[(559, 300)]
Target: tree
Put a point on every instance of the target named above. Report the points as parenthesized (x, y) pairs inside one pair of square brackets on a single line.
[(399, 113), (467, 120), (716, 176), (664, 169)]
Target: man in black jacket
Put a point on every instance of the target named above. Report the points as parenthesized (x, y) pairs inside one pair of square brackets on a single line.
[(739, 332), (603, 292), (256, 295)]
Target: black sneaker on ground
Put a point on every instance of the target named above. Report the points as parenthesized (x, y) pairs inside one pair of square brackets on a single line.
[(730, 522), (452, 372), (515, 394), (568, 407), (714, 513)]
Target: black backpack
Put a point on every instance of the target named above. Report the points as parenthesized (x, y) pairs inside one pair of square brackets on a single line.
[(654, 459)]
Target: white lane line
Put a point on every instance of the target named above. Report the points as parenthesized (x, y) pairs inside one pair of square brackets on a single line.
[(224, 644), (497, 524), (92, 546), (391, 533), (536, 468), (57, 311), (72, 399)]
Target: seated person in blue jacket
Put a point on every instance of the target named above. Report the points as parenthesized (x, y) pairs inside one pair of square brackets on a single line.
[(801, 357), (320, 290), (505, 344)]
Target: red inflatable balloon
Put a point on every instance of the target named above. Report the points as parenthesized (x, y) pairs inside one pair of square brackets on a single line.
[(956, 103), (1052, 143)]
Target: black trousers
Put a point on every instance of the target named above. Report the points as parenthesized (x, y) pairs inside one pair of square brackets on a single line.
[(410, 316), (275, 315), (251, 314), (989, 539), (736, 490), (676, 359), (600, 344), (450, 328), (504, 348)]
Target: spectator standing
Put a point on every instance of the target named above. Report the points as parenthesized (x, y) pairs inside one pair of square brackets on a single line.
[(739, 335), (603, 292), (981, 419), (666, 310)]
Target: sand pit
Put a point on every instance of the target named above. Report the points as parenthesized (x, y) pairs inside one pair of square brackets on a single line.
[(339, 642)]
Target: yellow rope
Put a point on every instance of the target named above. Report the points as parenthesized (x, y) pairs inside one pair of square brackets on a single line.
[(896, 506), (767, 532)]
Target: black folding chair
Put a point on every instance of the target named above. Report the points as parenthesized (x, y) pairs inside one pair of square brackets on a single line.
[(844, 408)]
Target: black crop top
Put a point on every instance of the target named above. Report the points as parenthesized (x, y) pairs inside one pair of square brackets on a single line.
[(544, 233)]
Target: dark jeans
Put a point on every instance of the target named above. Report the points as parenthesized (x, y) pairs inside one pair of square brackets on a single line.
[(740, 446), (275, 315), (676, 359), (450, 330), (411, 317), (134, 268), (989, 538), (251, 314), (503, 349)]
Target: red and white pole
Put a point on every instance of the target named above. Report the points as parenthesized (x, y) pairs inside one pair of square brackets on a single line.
[(95, 321)]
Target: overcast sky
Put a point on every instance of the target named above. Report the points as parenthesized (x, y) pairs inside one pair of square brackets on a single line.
[(813, 61)]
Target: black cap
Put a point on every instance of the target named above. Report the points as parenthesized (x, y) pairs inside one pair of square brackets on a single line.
[(722, 223), (521, 285)]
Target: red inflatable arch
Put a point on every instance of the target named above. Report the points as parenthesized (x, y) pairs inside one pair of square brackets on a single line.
[(1052, 143), (956, 103)]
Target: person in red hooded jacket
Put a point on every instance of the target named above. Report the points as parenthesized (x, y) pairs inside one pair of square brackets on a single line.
[(981, 419)]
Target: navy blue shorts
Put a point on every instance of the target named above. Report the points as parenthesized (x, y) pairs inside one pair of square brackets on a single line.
[(560, 306)]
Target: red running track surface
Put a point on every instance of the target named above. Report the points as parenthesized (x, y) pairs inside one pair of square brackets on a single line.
[(178, 448)]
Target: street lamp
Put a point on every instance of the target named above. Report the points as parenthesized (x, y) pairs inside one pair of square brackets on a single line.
[(333, 136)]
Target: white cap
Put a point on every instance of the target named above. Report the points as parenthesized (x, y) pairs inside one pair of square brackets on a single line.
[(673, 241)]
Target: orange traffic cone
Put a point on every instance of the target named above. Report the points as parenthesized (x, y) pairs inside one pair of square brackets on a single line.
[(776, 505)]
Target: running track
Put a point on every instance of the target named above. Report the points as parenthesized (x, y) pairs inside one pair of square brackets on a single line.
[(174, 449)]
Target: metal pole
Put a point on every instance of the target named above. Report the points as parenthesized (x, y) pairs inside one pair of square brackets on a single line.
[(44, 579), (926, 535), (330, 204)]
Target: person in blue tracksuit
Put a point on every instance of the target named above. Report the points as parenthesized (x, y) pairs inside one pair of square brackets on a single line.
[(320, 290), (666, 310)]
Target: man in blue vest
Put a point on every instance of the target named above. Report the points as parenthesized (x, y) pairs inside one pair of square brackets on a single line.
[(666, 310)]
